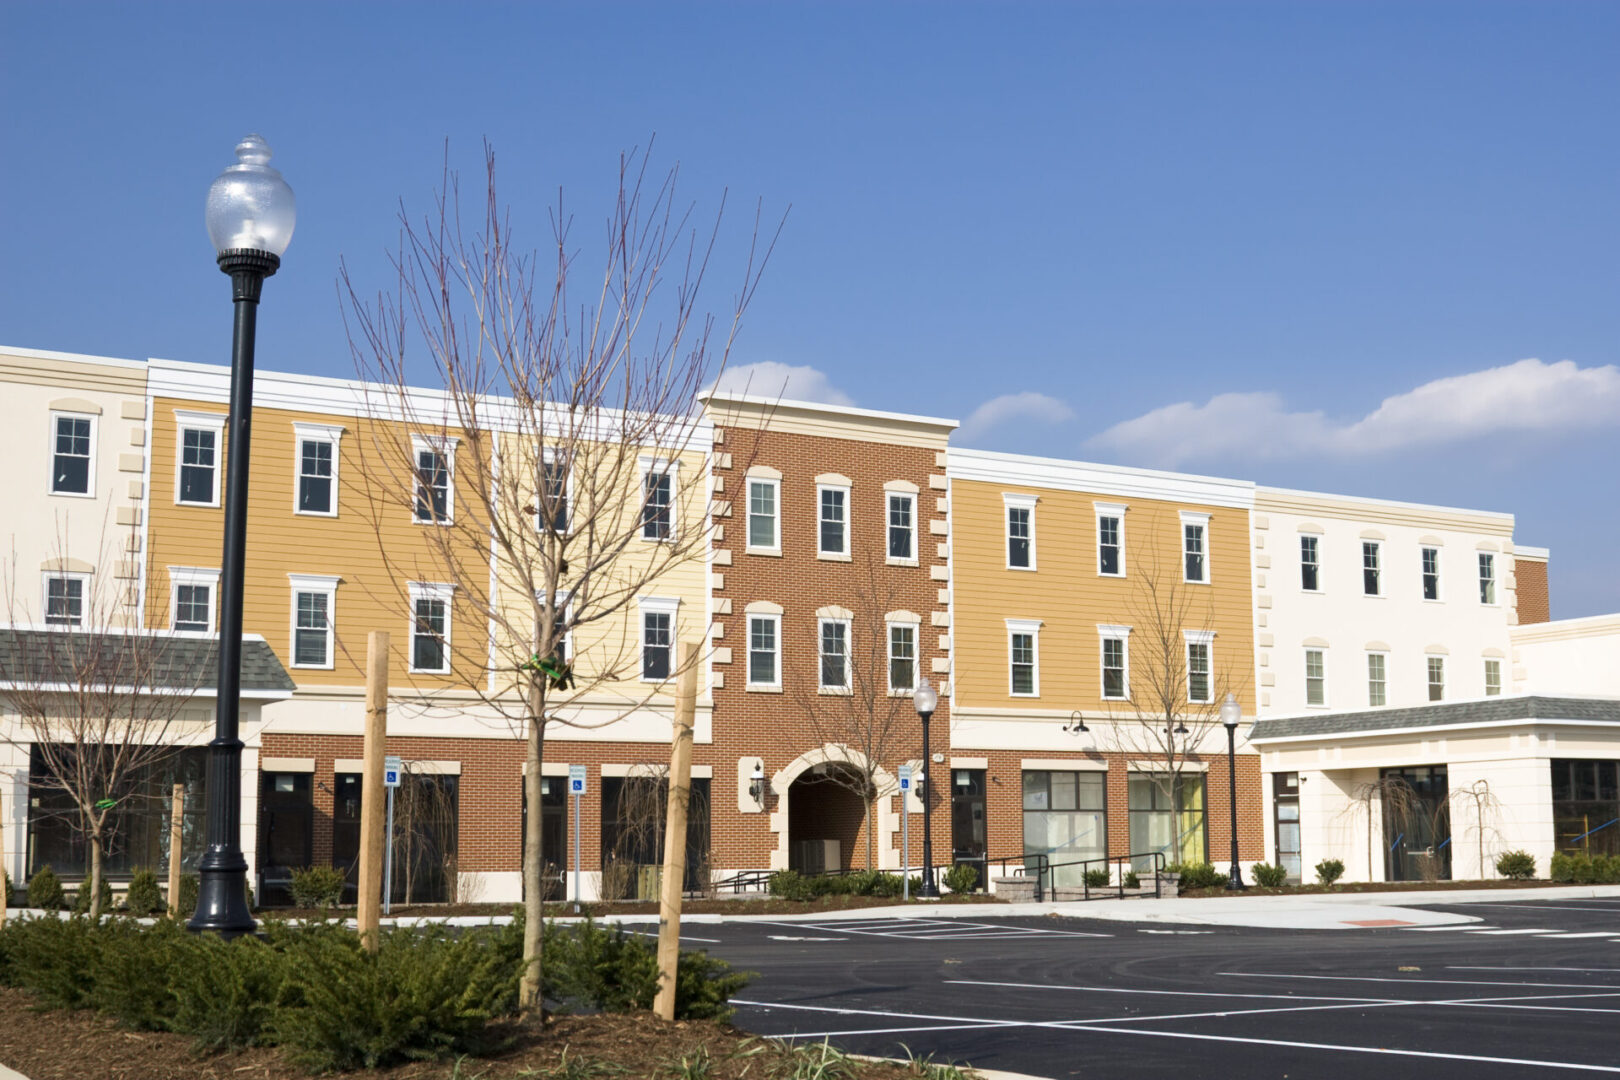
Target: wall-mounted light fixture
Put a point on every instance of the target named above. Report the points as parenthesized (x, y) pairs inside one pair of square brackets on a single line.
[(1076, 724), (756, 782)]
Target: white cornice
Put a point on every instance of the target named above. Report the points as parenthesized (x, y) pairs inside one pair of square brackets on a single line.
[(1565, 629), (71, 358), (1525, 551), (1121, 481), (1383, 511)]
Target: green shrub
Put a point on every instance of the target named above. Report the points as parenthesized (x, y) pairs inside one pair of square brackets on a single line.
[(131, 969), (317, 886), (225, 991), (52, 959), (962, 878), (1562, 867), (1132, 881), (81, 899), (190, 885), (789, 885), (45, 891), (13, 895), (1198, 875), (144, 897), (1268, 876), (1096, 879), (1329, 870), (608, 969), (1518, 865)]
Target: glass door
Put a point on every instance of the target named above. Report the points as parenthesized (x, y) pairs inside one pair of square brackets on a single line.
[(1285, 800), (968, 835)]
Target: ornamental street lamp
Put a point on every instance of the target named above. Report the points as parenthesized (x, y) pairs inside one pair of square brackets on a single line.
[(250, 215), (1231, 713), (926, 701)]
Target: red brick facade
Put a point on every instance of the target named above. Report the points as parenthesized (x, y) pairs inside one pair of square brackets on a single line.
[(1530, 577)]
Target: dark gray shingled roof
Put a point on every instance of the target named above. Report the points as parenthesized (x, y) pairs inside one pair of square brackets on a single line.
[(1440, 714), (169, 661)]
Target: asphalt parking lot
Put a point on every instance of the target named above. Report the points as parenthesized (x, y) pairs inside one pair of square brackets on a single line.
[(1532, 989)]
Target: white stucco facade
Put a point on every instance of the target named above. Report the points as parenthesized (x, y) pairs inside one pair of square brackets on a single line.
[(1568, 656)]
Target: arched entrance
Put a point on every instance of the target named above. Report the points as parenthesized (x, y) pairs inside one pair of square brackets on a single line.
[(826, 819), (811, 806)]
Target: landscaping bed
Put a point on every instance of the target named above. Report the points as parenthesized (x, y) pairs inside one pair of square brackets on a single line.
[(772, 905), (1377, 887), (81, 1045)]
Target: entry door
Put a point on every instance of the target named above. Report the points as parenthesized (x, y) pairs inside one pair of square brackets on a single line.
[(1285, 799), (346, 832), (554, 849), (286, 833), (1417, 823), (968, 832)]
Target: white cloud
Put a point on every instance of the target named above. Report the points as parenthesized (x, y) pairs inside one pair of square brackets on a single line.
[(784, 381), (1528, 396), (1027, 406)]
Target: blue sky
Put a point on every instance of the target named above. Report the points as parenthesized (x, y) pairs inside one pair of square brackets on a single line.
[(1233, 238)]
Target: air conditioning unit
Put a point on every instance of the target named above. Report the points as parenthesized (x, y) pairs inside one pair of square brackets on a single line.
[(817, 856)]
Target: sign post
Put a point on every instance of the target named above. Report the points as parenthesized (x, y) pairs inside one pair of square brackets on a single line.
[(576, 788), (905, 832), (392, 767)]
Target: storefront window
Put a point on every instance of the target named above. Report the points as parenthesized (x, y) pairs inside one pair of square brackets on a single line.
[(1066, 820), (1167, 815), (1586, 807)]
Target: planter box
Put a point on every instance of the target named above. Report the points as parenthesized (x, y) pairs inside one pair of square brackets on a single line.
[(1015, 890)]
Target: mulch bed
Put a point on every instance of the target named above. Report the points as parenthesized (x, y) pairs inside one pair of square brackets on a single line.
[(86, 1046), (1377, 887), (768, 906)]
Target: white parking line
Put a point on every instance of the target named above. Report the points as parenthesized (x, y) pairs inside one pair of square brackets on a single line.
[(1442, 929), (1543, 907), (933, 930), (1481, 967), (654, 933), (1537, 930), (1379, 979), (1161, 993), (1570, 937)]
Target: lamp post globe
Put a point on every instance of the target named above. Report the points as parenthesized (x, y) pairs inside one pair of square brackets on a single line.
[(1231, 715), (926, 701), (250, 215)]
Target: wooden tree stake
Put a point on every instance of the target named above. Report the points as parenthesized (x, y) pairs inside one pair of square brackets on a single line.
[(177, 832), (680, 787), (372, 793)]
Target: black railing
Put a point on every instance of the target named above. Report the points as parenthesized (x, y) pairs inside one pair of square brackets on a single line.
[(1034, 865)]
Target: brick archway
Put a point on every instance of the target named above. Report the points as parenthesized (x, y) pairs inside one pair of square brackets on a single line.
[(887, 824)]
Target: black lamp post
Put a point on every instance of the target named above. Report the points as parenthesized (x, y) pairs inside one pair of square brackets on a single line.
[(250, 214), (926, 701), (1231, 713)]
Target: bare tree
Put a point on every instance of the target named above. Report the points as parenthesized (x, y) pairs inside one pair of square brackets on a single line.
[(1484, 802), (1169, 710), (561, 470), (95, 697), (1396, 800), (848, 702)]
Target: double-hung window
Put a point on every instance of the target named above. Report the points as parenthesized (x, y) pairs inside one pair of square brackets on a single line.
[(832, 521), (65, 596), (1437, 678), (1431, 573), (764, 524), (834, 648), (1110, 540), (430, 627), (902, 657), (1487, 578), (1023, 657), (1310, 563), (317, 468), (657, 637), (435, 480), (1377, 679), (192, 594), (657, 499), (1493, 677), (1020, 511), (1195, 547), (72, 454), (902, 528), (1371, 582), (197, 467), (1200, 686), (1315, 678), (551, 510), (313, 602), (1115, 647), (764, 652)]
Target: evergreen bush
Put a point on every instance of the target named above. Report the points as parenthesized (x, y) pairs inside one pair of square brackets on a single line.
[(130, 973), (608, 969), (144, 897), (13, 896), (962, 878), (81, 899), (1268, 876), (316, 886), (45, 890), (1097, 879), (190, 885), (1132, 881), (1196, 875), (225, 991), (53, 959), (1329, 871), (1516, 865)]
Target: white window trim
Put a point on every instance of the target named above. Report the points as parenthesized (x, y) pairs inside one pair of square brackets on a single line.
[(848, 625), (45, 579), (443, 444), (1031, 627), (89, 491), (425, 590), (194, 575), (548, 456), (1427, 682), (748, 647), (1305, 653), (915, 625), (1111, 633), (1367, 679), (1198, 637), (325, 584), (657, 605), (671, 468), (845, 555), (1496, 579), (1318, 538), (302, 433), (1378, 547), (1485, 663), (775, 485), (1116, 511), (1439, 575), (188, 420), (1194, 517), (1011, 501), (889, 495)]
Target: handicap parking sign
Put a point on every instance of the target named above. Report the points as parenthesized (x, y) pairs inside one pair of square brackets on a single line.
[(392, 767), (905, 778), (576, 779)]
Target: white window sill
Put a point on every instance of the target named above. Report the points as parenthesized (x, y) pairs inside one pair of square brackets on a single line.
[(201, 505), (1373, 596), (1116, 700), (427, 671), (657, 539), (756, 688), (1023, 695), (1026, 569), (1195, 581), (835, 691), (311, 667), (1438, 600), (1312, 592), (833, 556), (74, 494), (321, 514), (772, 552), (902, 692), (443, 523), (890, 561), (1106, 575)]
